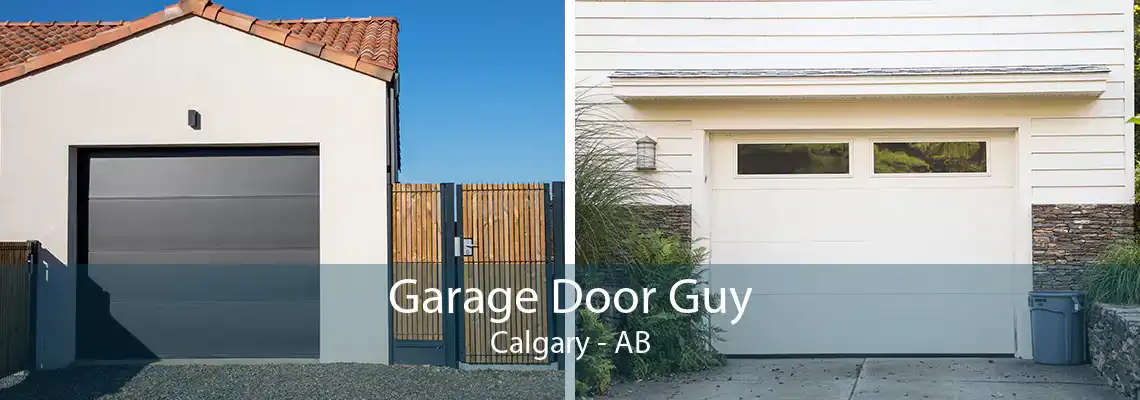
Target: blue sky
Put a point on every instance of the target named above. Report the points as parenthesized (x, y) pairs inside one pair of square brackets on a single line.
[(481, 81)]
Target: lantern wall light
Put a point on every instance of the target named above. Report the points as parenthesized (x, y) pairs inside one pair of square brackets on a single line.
[(646, 154)]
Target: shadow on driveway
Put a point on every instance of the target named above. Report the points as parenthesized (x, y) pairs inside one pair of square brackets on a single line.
[(88, 383)]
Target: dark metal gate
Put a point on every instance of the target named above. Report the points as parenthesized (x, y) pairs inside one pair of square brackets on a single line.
[(482, 236), (505, 233), (422, 236), (18, 262)]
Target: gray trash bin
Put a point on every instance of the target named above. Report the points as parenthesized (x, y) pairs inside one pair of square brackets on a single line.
[(1058, 319)]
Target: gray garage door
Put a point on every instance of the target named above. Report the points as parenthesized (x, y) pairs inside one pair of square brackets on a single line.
[(199, 254)]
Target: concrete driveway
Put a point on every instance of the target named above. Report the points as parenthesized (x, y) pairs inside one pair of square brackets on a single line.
[(879, 378)]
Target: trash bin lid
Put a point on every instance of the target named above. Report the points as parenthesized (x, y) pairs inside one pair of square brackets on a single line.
[(1055, 293)]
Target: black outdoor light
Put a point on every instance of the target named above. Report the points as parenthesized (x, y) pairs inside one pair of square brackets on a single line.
[(194, 119), (646, 154)]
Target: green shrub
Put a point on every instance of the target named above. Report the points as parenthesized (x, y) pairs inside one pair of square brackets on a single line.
[(1115, 277), (612, 252), (679, 342), (1136, 196), (594, 370)]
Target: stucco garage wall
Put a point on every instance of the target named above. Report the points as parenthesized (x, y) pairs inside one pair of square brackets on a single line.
[(249, 91)]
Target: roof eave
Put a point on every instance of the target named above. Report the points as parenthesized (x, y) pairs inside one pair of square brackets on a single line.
[(210, 11), (811, 84)]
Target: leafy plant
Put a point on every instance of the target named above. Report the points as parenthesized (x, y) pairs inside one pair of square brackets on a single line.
[(1136, 71), (606, 188), (679, 342), (594, 370), (614, 249), (1115, 277)]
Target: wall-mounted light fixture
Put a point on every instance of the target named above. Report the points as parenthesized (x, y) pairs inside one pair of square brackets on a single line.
[(194, 119), (646, 154)]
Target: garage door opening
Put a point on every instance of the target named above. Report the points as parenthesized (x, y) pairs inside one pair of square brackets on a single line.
[(866, 243), (197, 253)]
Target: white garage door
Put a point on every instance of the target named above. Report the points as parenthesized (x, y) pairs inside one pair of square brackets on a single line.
[(866, 244)]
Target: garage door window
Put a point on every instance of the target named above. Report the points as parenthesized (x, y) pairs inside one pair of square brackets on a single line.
[(793, 158), (930, 157)]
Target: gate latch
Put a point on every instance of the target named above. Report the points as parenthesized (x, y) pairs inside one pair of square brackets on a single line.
[(465, 247)]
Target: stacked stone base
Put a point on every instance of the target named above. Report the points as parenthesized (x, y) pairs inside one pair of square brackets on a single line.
[(1066, 237), (670, 220), (1114, 346)]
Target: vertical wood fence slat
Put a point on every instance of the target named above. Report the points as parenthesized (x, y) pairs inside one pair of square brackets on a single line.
[(15, 307), (507, 223)]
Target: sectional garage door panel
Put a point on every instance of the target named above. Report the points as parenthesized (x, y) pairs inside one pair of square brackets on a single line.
[(940, 225), (197, 224), (867, 279), (870, 309), (854, 262), (231, 256), (880, 324), (201, 254), (247, 172), (141, 283), (208, 330)]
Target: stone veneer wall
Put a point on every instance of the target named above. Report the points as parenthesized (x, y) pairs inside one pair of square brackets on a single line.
[(1068, 236), (669, 219), (1114, 346)]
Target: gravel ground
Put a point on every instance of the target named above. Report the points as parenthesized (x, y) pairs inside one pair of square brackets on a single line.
[(281, 381)]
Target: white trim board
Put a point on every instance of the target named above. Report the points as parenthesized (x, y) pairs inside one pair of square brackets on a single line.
[(1078, 84)]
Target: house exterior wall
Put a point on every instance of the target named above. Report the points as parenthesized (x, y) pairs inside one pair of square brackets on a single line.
[(249, 92), (1077, 155), (1068, 150)]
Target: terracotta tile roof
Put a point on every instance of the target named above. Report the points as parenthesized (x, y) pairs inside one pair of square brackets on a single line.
[(367, 45), (23, 40)]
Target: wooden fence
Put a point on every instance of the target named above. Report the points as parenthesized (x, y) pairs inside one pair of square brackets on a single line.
[(507, 225), (16, 302), (417, 253)]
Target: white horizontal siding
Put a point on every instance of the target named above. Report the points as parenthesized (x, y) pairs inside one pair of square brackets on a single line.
[(989, 26), (844, 44), (1079, 178), (682, 147), (764, 10), (1074, 158), (675, 145), (1078, 126), (852, 59), (1080, 161), (675, 163), (1079, 151), (670, 180), (1080, 195), (1079, 144)]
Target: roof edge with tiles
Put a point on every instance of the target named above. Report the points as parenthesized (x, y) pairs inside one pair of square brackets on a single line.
[(214, 12)]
